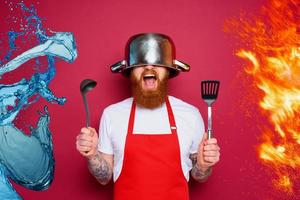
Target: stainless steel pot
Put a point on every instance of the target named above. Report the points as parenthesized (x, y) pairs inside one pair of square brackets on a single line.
[(150, 49)]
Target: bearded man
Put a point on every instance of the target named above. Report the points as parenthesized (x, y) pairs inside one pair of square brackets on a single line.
[(149, 143)]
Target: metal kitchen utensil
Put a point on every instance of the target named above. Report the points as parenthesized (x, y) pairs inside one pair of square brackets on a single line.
[(150, 49), (209, 92), (85, 86)]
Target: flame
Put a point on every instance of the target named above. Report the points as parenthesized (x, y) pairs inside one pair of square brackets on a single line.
[(273, 51)]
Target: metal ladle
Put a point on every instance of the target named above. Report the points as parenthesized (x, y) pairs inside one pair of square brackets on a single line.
[(85, 86)]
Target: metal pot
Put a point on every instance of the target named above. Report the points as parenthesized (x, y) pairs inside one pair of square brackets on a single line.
[(150, 49)]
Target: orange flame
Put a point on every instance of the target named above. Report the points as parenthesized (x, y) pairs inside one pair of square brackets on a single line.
[(273, 41)]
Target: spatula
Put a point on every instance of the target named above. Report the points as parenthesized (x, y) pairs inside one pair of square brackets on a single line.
[(209, 92)]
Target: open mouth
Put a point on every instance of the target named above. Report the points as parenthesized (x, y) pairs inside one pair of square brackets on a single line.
[(149, 80)]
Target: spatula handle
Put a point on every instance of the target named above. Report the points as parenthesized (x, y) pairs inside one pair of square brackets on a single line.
[(209, 122)]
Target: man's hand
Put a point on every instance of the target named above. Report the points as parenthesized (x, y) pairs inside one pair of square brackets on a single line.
[(87, 141), (99, 164), (208, 153)]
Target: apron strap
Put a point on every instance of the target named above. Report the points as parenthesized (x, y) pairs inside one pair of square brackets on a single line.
[(131, 118), (171, 117)]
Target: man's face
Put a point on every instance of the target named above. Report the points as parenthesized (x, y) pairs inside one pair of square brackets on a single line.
[(149, 85), (149, 76)]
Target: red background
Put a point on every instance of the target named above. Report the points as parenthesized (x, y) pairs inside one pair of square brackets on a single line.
[(101, 29)]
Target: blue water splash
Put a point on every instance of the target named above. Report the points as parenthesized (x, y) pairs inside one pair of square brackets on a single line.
[(28, 159), (12, 37)]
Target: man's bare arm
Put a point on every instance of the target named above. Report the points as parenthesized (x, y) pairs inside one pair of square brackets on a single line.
[(197, 173), (101, 167)]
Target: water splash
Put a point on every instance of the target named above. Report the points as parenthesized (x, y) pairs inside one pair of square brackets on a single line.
[(28, 159)]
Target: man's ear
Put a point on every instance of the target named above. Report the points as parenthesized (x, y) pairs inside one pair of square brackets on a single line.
[(127, 73), (169, 72)]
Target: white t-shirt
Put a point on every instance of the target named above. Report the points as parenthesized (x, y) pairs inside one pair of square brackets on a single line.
[(114, 124)]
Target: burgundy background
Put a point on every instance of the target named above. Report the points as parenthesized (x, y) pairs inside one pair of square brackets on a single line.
[(101, 29)]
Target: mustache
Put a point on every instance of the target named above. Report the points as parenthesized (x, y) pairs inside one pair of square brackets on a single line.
[(149, 71)]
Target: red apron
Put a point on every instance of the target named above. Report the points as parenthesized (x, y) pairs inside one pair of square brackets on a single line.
[(152, 165)]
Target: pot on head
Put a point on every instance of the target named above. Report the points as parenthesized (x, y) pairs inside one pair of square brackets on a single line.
[(150, 49)]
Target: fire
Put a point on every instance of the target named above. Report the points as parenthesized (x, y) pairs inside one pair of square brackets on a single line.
[(273, 51)]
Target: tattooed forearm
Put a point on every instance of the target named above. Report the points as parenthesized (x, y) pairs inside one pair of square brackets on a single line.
[(100, 168), (197, 173)]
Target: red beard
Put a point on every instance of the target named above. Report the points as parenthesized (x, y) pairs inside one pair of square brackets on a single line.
[(149, 99)]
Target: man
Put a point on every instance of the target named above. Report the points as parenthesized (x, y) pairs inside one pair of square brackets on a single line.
[(150, 142)]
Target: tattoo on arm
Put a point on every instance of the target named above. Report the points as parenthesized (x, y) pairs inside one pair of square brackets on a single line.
[(100, 169), (197, 173)]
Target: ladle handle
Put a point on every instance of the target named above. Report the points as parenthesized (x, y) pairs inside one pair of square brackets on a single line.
[(87, 113)]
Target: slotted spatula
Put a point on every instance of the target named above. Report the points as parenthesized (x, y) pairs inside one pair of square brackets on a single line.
[(209, 92)]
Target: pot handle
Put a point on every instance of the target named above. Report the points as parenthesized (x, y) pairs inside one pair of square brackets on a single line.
[(118, 67), (181, 66)]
